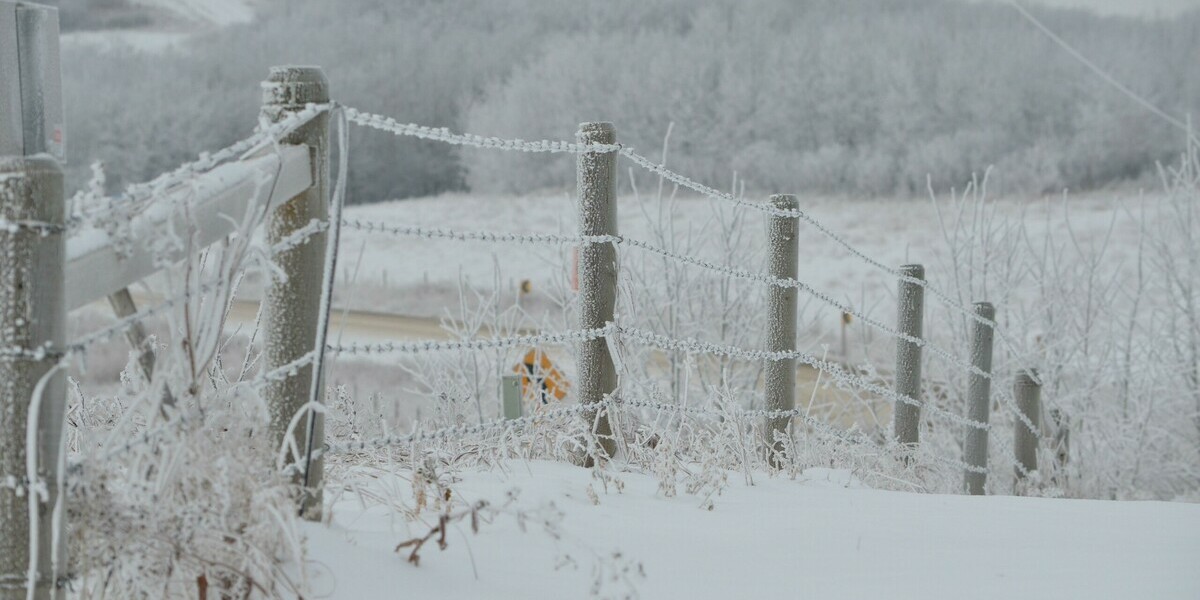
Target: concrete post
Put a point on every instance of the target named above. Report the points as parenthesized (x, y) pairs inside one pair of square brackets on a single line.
[(510, 394), (1025, 442), (979, 399), (783, 263), (597, 179), (32, 316), (291, 314), (911, 299)]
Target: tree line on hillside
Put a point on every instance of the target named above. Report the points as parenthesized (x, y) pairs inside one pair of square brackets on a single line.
[(864, 97)]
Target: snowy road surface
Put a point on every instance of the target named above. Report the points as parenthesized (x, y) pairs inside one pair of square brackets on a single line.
[(361, 327)]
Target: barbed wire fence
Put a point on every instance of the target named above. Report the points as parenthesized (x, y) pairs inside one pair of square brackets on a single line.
[(38, 236)]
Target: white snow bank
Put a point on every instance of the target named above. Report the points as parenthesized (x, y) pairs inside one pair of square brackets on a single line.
[(823, 537)]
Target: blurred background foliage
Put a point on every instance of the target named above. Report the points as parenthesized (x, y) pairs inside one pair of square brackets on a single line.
[(862, 97)]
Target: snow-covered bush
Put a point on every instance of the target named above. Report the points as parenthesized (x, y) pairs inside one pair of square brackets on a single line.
[(1110, 322), (820, 97)]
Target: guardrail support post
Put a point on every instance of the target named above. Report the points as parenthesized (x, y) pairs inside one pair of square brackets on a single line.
[(123, 306), (979, 400), (906, 424), (1025, 442), (32, 317), (597, 180), (780, 375), (291, 314)]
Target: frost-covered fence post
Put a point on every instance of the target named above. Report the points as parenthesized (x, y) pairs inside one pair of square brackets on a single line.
[(783, 263), (907, 417), (292, 306), (597, 179), (32, 333), (979, 400), (1028, 395)]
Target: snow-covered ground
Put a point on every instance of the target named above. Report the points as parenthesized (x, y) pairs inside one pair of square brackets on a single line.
[(821, 536), (419, 277)]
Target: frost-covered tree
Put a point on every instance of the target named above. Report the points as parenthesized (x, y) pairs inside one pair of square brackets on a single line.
[(869, 96)]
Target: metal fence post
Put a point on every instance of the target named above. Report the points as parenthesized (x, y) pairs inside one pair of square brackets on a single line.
[(510, 394), (597, 180), (979, 400), (911, 299), (783, 263), (291, 314), (1028, 395), (32, 319)]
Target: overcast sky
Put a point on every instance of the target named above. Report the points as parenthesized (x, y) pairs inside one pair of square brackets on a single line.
[(1148, 8)]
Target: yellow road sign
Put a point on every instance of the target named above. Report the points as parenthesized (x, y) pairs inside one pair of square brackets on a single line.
[(541, 381)]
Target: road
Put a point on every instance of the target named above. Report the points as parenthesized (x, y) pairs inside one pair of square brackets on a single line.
[(365, 327), (357, 326)]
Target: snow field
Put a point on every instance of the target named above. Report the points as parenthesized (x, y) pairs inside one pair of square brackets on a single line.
[(824, 535)]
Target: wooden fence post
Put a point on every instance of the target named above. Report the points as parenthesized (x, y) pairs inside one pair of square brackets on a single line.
[(1028, 395), (597, 180), (979, 400), (292, 306), (780, 375), (906, 423), (32, 319)]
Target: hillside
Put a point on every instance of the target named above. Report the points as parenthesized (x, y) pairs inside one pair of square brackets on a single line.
[(866, 97)]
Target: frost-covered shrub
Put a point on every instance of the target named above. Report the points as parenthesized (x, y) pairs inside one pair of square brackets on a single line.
[(204, 510), (1110, 321), (818, 97)]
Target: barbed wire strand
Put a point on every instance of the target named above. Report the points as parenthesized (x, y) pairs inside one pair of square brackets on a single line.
[(494, 343), (1104, 75), (609, 403), (661, 342), (445, 135), (136, 193), (757, 277), (442, 134), (709, 192)]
